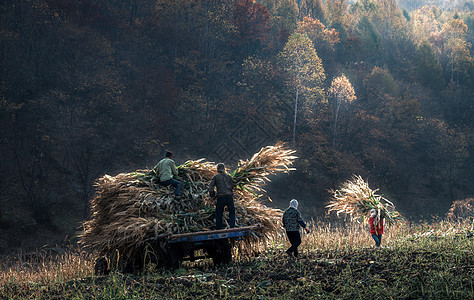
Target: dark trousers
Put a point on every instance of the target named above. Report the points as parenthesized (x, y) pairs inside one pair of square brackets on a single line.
[(221, 203), (377, 239), (295, 239), (178, 186)]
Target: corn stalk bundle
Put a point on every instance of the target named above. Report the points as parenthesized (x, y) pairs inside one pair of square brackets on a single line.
[(131, 209), (461, 210), (252, 174), (355, 198)]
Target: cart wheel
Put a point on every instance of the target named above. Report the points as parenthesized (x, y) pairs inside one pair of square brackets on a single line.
[(175, 260), (101, 266), (174, 257), (226, 253), (222, 253)]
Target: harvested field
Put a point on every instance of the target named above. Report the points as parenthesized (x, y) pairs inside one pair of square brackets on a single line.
[(411, 265)]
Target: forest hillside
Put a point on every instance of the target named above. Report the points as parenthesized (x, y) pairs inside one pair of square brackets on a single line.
[(383, 89)]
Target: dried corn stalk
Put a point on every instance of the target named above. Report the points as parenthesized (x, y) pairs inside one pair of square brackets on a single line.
[(355, 198), (131, 209), (270, 160)]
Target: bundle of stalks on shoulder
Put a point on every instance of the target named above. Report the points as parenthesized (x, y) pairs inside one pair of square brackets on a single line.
[(253, 173), (131, 210), (356, 199)]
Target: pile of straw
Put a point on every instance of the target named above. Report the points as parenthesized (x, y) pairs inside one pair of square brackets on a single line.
[(461, 210), (355, 198), (131, 209)]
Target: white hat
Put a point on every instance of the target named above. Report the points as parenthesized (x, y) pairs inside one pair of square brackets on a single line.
[(294, 203)]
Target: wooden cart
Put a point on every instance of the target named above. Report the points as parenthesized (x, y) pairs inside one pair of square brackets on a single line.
[(170, 250), (216, 244)]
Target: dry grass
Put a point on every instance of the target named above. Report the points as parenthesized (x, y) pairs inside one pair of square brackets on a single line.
[(329, 251), (341, 235), (41, 267)]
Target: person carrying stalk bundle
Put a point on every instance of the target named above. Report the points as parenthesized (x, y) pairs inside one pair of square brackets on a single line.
[(291, 222), (224, 184), (376, 227), (167, 173)]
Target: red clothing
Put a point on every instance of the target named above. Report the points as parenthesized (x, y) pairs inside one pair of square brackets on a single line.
[(379, 229)]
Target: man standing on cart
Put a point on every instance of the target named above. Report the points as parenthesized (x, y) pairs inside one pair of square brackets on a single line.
[(224, 184)]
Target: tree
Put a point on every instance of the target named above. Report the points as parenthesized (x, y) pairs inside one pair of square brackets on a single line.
[(446, 152), (429, 70), (317, 32), (8, 111), (396, 115), (393, 45), (305, 71), (370, 41), (379, 83), (252, 22), (456, 49), (337, 13), (313, 9), (342, 92), (423, 23), (339, 19), (389, 19), (323, 38), (284, 20), (287, 12), (457, 105)]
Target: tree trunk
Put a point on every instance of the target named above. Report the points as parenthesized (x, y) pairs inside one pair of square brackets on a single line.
[(338, 106), (206, 39), (294, 120)]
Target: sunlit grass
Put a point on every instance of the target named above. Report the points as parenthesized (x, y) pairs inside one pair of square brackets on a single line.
[(40, 267), (338, 236), (338, 261)]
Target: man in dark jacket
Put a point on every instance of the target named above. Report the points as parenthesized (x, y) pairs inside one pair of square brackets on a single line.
[(291, 222), (224, 184)]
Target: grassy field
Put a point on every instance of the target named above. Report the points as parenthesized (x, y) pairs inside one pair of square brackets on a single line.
[(417, 261)]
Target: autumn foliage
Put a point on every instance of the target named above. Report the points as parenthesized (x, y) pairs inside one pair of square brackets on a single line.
[(373, 88)]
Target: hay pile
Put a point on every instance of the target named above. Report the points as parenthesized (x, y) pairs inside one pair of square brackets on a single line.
[(355, 198), (131, 209), (461, 210)]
